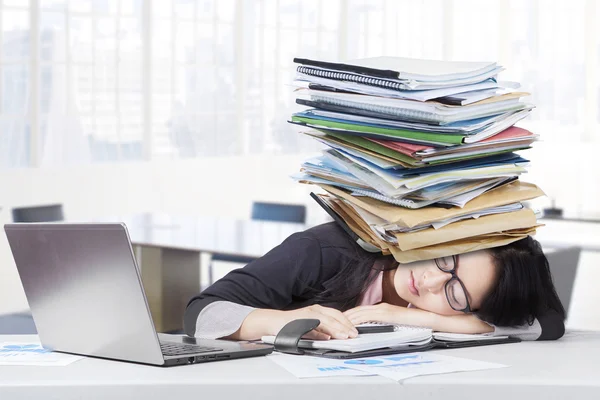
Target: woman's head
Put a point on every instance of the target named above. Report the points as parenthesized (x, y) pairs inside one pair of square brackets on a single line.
[(425, 284), (506, 286)]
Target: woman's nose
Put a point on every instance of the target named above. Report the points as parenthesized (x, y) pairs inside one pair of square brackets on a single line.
[(434, 280)]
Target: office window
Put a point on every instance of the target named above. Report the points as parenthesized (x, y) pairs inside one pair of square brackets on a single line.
[(90, 85), (84, 81), (275, 33), (15, 138), (194, 92)]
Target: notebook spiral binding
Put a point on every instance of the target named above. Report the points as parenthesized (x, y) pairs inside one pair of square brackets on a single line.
[(407, 203), (405, 114), (345, 76)]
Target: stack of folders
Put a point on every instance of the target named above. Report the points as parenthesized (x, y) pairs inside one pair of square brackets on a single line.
[(421, 155)]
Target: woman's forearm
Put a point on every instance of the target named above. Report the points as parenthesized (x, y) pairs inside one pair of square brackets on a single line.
[(258, 323), (447, 323), (461, 324), (443, 323), (388, 313), (261, 322)]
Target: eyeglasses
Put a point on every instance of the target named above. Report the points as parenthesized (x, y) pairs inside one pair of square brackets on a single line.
[(455, 290)]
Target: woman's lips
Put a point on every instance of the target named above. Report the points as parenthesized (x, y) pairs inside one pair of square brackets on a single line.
[(411, 285)]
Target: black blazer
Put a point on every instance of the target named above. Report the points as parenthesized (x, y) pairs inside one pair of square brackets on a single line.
[(292, 274), (287, 277)]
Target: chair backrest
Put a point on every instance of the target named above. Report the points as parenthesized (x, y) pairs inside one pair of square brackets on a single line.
[(563, 266), (47, 213), (279, 212), (17, 324)]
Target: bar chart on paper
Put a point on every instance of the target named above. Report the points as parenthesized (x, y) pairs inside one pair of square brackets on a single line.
[(395, 367), (33, 354), (405, 366)]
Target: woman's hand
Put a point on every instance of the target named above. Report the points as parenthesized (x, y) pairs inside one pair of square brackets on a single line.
[(333, 322), (262, 322)]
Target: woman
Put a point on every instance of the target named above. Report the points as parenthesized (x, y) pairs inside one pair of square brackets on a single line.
[(321, 273)]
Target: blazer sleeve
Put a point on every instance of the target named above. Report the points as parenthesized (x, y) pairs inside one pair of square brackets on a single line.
[(289, 276), (288, 272), (220, 319), (550, 326), (553, 326)]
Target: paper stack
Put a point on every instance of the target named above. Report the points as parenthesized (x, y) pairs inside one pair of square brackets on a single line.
[(421, 158)]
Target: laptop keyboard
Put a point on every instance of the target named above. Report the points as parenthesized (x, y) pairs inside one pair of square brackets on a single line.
[(178, 349)]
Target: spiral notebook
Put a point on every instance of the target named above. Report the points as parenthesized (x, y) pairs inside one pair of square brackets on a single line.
[(430, 113), (404, 335), (401, 73), (404, 202), (403, 339), (406, 68)]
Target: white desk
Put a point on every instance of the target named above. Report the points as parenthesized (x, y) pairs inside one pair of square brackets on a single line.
[(563, 233), (568, 368)]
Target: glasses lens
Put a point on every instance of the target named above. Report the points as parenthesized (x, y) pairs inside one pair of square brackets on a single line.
[(446, 263), (456, 295)]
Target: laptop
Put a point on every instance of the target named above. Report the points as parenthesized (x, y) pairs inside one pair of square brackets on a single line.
[(86, 296), (563, 266)]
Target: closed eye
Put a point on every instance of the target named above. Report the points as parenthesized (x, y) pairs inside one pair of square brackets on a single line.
[(453, 293)]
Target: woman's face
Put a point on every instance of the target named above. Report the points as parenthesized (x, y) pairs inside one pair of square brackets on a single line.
[(422, 283)]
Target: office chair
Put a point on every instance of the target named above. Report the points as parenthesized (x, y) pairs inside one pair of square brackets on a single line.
[(279, 212), (266, 212), (563, 264), (47, 213), (17, 324)]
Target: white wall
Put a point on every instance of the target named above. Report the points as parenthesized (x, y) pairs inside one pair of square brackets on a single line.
[(220, 186)]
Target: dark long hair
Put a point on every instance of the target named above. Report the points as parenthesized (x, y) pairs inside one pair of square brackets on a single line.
[(356, 273), (524, 289)]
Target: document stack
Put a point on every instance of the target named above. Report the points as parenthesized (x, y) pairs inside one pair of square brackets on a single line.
[(420, 160)]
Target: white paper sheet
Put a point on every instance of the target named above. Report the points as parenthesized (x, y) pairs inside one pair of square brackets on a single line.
[(15, 353), (403, 366), (314, 367), (422, 69), (397, 367), (463, 91)]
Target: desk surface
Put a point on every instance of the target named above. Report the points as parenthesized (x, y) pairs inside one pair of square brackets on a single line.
[(573, 218), (567, 368), (207, 234), (561, 233)]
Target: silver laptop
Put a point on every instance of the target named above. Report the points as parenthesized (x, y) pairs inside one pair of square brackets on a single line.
[(563, 266), (86, 296)]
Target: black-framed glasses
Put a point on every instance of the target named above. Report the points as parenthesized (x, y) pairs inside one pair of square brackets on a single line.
[(454, 288)]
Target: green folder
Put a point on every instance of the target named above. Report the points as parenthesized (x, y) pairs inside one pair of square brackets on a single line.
[(388, 133), (377, 148)]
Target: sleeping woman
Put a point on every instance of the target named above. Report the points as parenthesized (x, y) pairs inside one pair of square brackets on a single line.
[(322, 274)]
